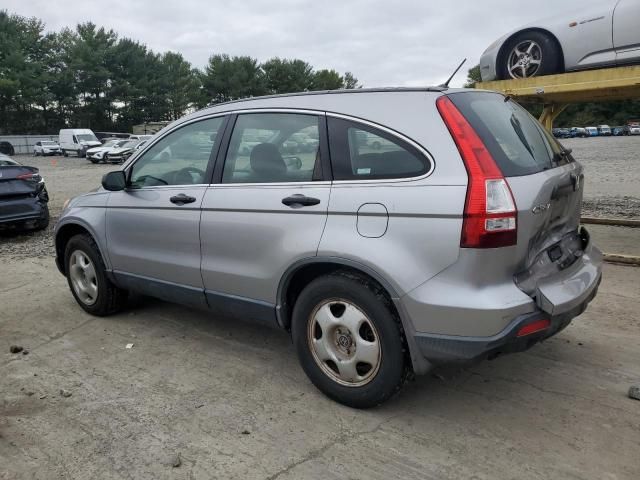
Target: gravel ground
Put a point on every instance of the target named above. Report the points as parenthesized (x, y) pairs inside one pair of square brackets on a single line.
[(612, 169)]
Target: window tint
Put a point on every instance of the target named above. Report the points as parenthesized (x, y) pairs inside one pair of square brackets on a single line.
[(517, 142), (180, 158), (360, 152), (273, 147)]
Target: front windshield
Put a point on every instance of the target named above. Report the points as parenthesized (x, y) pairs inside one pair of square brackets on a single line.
[(110, 143), (86, 137), (46, 142), (129, 143)]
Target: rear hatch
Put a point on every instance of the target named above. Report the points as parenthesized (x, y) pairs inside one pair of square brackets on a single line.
[(547, 184)]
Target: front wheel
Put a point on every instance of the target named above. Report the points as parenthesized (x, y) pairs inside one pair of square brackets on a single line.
[(87, 278), (530, 54), (348, 339)]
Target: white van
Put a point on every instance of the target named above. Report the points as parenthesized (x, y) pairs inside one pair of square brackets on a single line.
[(77, 141)]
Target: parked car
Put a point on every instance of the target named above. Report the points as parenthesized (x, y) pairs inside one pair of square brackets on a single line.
[(77, 141), (23, 196), (378, 263), (604, 130), (592, 131), (561, 133), (634, 129), (102, 152), (578, 132), (121, 151), (620, 131), (597, 35), (46, 147)]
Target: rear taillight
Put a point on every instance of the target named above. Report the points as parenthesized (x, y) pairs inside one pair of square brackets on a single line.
[(490, 214), (28, 176)]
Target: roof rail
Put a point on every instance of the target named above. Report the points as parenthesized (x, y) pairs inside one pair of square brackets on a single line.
[(333, 92)]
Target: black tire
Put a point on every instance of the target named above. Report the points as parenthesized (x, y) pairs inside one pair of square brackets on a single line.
[(79, 153), (371, 300), (64, 153), (110, 299), (551, 54)]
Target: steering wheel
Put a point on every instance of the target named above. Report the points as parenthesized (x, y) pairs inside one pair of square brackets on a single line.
[(184, 176)]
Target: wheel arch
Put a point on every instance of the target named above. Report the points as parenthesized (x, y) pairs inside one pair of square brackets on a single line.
[(503, 48), (298, 275), (64, 233)]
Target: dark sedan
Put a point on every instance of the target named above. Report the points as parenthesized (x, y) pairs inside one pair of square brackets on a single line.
[(23, 196)]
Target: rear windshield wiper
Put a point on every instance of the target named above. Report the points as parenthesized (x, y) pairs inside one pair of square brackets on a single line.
[(515, 123)]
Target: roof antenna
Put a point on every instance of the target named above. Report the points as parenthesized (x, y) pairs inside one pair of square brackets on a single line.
[(446, 84)]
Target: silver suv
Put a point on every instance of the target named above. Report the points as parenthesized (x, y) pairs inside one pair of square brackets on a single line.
[(389, 231)]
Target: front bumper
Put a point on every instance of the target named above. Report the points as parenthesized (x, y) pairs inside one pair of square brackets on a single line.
[(447, 349)]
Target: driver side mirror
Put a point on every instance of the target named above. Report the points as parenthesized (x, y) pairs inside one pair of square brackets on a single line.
[(114, 181)]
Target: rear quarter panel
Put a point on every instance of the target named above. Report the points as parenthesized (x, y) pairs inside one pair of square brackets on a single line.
[(424, 215)]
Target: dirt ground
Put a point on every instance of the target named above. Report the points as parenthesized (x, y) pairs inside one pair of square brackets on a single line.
[(230, 400)]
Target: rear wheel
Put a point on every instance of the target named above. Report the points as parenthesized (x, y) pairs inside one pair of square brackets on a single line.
[(64, 152), (348, 339), (87, 278), (530, 54)]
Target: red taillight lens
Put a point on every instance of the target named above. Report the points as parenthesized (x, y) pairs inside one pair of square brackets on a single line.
[(490, 215), (534, 327), (28, 176)]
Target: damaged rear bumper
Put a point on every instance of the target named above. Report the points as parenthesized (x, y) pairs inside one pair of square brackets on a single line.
[(449, 349)]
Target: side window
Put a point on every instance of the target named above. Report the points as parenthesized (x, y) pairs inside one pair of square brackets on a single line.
[(75, 139), (361, 152), (180, 158), (273, 147)]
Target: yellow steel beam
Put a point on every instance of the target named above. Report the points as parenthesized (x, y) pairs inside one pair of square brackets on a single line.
[(550, 113), (606, 84)]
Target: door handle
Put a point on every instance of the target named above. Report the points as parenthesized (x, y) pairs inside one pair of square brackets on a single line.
[(299, 201), (182, 199)]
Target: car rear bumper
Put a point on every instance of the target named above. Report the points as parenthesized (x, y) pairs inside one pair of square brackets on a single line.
[(461, 315), (21, 210), (449, 349)]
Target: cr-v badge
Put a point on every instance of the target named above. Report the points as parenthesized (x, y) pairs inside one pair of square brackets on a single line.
[(543, 207)]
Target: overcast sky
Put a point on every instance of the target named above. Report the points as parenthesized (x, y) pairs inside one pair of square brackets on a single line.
[(384, 43)]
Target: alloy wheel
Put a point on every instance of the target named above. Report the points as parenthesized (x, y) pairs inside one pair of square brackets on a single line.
[(83, 277), (525, 60)]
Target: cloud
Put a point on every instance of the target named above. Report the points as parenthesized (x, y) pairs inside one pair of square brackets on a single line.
[(383, 43)]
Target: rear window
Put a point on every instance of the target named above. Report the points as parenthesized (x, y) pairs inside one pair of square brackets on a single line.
[(517, 142)]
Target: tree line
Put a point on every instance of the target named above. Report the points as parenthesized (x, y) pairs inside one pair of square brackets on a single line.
[(580, 114), (90, 77)]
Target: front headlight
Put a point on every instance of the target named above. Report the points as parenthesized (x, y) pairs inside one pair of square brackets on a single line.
[(99, 155)]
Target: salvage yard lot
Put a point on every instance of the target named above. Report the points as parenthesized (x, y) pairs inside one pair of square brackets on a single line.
[(231, 401)]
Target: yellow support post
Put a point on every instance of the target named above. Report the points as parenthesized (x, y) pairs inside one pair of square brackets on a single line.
[(550, 113)]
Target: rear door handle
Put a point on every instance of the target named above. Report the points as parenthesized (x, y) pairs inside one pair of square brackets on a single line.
[(182, 199), (299, 201)]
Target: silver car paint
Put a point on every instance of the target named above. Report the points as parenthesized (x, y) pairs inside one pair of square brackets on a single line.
[(246, 239), (592, 42)]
